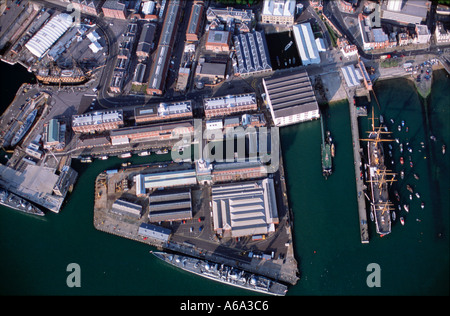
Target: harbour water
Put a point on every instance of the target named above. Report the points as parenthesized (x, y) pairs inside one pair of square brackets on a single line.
[(414, 258)]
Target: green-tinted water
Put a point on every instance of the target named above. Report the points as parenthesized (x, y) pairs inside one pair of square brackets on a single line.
[(413, 259)]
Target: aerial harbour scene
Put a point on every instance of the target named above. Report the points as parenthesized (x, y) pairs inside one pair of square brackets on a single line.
[(225, 148)]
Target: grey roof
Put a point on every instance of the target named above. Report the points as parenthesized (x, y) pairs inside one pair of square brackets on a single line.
[(146, 38), (170, 205), (149, 128), (114, 5), (196, 14), (291, 94), (252, 52)]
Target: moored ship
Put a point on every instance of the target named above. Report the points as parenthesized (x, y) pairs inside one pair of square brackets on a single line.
[(224, 274), (17, 203), (379, 180), (327, 150), (57, 76), (24, 128)]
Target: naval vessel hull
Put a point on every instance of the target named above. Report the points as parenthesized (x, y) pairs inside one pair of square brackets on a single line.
[(224, 274), (17, 203)]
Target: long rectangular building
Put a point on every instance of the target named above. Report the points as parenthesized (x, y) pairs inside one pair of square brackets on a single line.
[(163, 111), (152, 132), (97, 121), (170, 205), (160, 65), (306, 44), (244, 209), (291, 98), (154, 181), (195, 22), (226, 105)]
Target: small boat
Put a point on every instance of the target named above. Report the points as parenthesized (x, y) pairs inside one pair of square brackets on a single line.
[(401, 148), (416, 176), (86, 160), (422, 205), (410, 196), (390, 153), (406, 207), (418, 195), (397, 140), (402, 221), (394, 216), (411, 164), (390, 146), (403, 123), (392, 121), (103, 157), (161, 152), (396, 195), (125, 155), (381, 119), (443, 149), (399, 128), (144, 153), (423, 144), (409, 188), (410, 149), (288, 45), (401, 160), (407, 129), (126, 164), (402, 174)]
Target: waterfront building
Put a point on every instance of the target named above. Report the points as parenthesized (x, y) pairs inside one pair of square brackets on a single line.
[(161, 59), (291, 98), (115, 9), (153, 181), (152, 132), (39, 184), (49, 34), (244, 208), (278, 12), (153, 231), (195, 22), (97, 121), (229, 104), (252, 53), (170, 205), (352, 76), (218, 41), (163, 112), (365, 75), (306, 44), (237, 171), (126, 208)]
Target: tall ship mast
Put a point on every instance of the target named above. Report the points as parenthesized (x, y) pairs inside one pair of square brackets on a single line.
[(379, 179)]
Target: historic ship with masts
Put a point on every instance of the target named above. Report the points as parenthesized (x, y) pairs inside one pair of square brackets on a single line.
[(379, 179)]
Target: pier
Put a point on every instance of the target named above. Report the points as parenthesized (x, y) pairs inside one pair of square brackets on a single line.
[(363, 226)]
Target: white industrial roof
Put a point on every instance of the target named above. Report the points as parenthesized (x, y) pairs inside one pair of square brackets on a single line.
[(49, 34), (306, 44), (279, 7), (230, 101)]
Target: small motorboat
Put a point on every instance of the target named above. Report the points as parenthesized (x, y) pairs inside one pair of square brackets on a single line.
[(399, 128), (410, 149), (422, 205), (410, 196), (418, 195), (406, 207), (443, 149), (394, 216), (403, 123), (392, 121), (416, 176), (396, 195), (402, 174), (409, 188), (407, 129), (402, 220), (397, 140), (401, 148), (401, 160), (411, 164)]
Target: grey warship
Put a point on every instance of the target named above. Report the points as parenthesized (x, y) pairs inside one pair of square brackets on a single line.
[(224, 274), (17, 203)]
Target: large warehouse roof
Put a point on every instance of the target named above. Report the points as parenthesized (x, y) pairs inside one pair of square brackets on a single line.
[(306, 44), (246, 208), (49, 34), (290, 94), (252, 53)]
